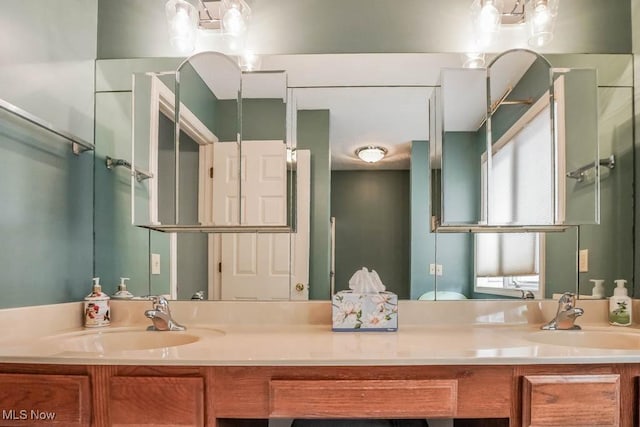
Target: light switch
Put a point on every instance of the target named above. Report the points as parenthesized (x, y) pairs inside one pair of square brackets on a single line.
[(583, 261), (438, 269), (155, 263), (432, 269)]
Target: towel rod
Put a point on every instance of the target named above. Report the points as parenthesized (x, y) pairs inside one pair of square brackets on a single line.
[(139, 174), (78, 145), (578, 174)]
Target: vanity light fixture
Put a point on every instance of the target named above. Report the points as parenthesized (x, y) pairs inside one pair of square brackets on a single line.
[(227, 17), (487, 17), (371, 153)]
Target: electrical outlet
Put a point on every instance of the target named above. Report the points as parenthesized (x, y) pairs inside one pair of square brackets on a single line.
[(583, 261), (155, 263), (432, 269), (438, 269)]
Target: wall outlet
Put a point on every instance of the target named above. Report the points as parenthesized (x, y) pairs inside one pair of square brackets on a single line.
[(432, 269), (583, 261), (438, 269), (155, 263)]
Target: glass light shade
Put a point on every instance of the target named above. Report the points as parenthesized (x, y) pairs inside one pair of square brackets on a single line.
[(182, 18), (235, 16), (540, 16), (486, 17), (371, 154)]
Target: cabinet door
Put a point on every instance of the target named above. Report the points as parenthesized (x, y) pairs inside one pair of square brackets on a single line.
[(33, 399), (571, 400), (156, 401)]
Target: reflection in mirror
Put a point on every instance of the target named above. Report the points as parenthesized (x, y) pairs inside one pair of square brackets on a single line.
[(504, 265), (370, 203), (534, 146), (229, 183), (435, 263)]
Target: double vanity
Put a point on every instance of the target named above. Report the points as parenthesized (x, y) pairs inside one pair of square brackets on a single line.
[(483, 363)]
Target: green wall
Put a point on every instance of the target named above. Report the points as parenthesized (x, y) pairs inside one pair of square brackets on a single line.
[(373, 229)]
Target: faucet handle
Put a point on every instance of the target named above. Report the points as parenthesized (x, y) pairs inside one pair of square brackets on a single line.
[(568, 300), (160, 303)]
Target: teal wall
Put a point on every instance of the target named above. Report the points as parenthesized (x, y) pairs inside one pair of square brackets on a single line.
[(313, 134), (461, 153), (47, 69), (423, 243), (373, 228)]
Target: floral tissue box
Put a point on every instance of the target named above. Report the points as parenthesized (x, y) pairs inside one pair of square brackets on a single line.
[(354, 311)]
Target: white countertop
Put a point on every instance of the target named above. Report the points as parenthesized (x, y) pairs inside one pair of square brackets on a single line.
[(299, 334)]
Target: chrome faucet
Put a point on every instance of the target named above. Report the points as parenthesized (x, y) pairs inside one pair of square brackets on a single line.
[(566, 314), (160, 315)]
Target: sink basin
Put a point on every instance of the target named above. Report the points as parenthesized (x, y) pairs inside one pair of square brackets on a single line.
[(113, 341), (588, 339)]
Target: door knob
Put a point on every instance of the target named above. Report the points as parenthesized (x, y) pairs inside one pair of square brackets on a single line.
[(299, 287)]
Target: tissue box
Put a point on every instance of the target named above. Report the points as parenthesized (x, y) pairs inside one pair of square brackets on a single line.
[(364, 312)]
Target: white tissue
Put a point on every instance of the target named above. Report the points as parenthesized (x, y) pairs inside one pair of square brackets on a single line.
[(365, 282)]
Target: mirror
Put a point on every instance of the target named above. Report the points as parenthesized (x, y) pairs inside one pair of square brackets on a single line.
[(189, 119), (314, 115), (506, 110), (210, 178)]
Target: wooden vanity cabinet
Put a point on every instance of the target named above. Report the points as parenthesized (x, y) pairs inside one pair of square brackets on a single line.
[(536, 395), (42, 399)]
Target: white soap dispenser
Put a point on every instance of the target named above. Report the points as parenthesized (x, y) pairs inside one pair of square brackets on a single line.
[(122, 292), (598, 288), (96, 307), (620, 305)]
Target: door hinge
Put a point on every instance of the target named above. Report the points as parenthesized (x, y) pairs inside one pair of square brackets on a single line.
[(211, 172), (219, 267)]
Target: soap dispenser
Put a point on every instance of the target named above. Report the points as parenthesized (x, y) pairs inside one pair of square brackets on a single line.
[(122, 292), (620, 305), (96, 307), (598, 288)]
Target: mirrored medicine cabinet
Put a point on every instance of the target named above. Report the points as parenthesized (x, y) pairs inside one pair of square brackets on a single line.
[(538, 122), (515, 146), (213, 139)]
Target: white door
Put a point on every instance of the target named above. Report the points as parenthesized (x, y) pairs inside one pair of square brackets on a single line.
[(226, 167), (267, 266), (264, 183)]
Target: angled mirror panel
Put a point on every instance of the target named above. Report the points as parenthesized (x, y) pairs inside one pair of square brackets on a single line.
[(463, 106), (580, 167), (207, 150), (265, 177), (153, 135), (521, 187)]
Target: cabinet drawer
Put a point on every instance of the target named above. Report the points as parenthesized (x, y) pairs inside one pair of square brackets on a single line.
[(33, 399), (571, 400), (156, 401), (363, 398)]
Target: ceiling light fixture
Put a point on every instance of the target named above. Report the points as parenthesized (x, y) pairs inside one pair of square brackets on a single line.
[(371, 153), (227, 17), (487, 17)]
